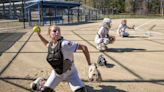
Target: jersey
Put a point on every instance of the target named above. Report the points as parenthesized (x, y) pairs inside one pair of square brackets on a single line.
[(122, 28), (68, 48), (71, 76), (102, 33)]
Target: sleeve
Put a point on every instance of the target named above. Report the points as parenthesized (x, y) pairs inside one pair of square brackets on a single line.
[(70, 46)]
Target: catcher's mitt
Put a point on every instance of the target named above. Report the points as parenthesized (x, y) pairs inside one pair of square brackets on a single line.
[(94, 74), (133, 27), (111, 39)]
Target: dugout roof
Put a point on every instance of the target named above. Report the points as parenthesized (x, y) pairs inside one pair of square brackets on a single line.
[(45, 3), (7, 1), (53, 4)]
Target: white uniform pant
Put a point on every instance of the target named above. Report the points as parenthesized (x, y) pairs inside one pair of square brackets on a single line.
[(99, 40), (101, 43), (122, 33), (71, 76), (102, 40)]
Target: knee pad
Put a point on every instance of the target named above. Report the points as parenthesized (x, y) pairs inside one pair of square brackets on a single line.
[(98, 41), (47, 89), (82, 89), (106, 41), (101, 46)]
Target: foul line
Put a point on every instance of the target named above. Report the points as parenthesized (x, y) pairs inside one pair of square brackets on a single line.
[(144, 24)]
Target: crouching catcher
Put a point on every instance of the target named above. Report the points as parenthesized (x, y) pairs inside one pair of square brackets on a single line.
[(102, 38)]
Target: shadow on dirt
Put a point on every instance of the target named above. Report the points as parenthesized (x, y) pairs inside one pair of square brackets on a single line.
[(120, 50), (100, 88), (137, 37), (104, 88), (7, 40), (109, 65)]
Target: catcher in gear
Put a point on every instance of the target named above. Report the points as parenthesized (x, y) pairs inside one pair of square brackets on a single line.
[(122, 27), (61, 58), (94, 74), (102, 38)]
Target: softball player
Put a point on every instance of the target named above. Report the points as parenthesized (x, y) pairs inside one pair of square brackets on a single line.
[(67, 48), (102, 38), (122, 27)]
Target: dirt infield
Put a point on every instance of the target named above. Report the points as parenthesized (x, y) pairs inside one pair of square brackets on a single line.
[(135, 64)]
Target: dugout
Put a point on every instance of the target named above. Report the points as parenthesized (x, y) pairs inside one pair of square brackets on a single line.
[(40, 11), (50, 11)]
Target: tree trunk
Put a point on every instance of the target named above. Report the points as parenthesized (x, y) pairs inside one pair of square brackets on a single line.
[(129, 6), (145, 7)]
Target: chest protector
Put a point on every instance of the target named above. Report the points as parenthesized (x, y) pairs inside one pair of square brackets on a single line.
[(55, 57)]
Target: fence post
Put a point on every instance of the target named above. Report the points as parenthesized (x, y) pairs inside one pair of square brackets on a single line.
[(23, 13)]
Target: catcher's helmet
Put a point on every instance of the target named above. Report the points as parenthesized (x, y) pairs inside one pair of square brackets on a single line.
[(107, 23), (101, 61)]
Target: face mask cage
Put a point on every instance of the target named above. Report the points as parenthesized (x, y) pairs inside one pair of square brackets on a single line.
[(107, 25)]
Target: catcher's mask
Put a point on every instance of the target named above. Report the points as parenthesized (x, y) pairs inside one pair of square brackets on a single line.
[(101, 61)]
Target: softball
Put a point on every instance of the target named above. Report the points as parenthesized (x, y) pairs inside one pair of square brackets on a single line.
[(36, 29)]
